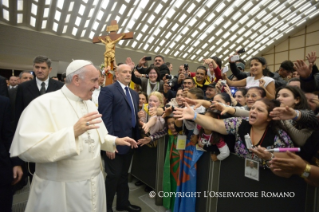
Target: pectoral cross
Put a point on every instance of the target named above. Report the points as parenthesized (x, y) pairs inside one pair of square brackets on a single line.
[(89, 141)]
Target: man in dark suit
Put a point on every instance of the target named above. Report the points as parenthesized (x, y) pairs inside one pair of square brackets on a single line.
[(3, 87), (118, 105), (10, 168), (30, 90)]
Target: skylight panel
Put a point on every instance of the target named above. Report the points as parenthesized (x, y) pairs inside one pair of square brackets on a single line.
[(220, 7), (78, 21), (170, 13), (175, 27), (219, 41), (270, 42), (60, 4), (291, 16), (219, 20), (254, 10), (262, 29), (196, 43), (212, 48), (46, 13), (225, 52), (198, 51), (100, 15), (185, 55), (210, 17), (66, 27), (225, 44), (105, 4), (181, 19), (300, 22), (202, 26), (192, 21), (205, 45), (201, 12), (182, 47), (273, 5), (176, 53), (85, 1), (71, 6), (91, 35), (219, 32), (86, 23), (233, 37), (226, 25), (157, 49), (233, 28), (203, 36), (259, 38), (247, 6), (166, 51), (193, 57), (218, 50), (95, 2), (168, 35), (47, 2), (257, 26), (185, 30), (309, 10), (226, 35), (250, 23), (34, 9), (269, 16), (299, 3), (5, 3), (193, 34), (243, 19), (113, 7), (158, 8), (232, 46), (95, 25), (19, 18), (253, 36), (83, 33), (273, 21), (261, 14), (190, 8), (247, 33), (145, 27), (278, 9), (44, 24), (241, 30), (289, 29), (273, 34), (91, 13), (295, 19), (278, 36), (55, 26), (172, 45), (151, 19), (236, 16), (57, 15), (134, 44), (313, 14), (285, 12), (139, 36), (146, 46), (118, 18), (190, 49), (229, 11), (211, 39), (19, 5), (163, 23), (122, 9), (246, 42), (74, 31)]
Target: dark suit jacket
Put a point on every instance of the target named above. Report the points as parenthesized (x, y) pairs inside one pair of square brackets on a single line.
[(3, 87), (28, 91), (12, 97), (6, 136), (116, 113)]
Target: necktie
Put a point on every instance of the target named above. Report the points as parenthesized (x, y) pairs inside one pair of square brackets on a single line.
[(131, 105), (42, 90)]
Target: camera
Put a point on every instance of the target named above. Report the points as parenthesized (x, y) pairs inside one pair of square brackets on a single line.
[(148, 58), (223, 82), (186, 67), (169, 76), (234, 58), (170, 83), (240, 51)]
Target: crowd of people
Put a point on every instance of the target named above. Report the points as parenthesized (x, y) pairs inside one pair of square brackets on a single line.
[(61, 127)]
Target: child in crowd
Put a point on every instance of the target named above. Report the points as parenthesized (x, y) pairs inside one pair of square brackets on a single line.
[(210, 140)]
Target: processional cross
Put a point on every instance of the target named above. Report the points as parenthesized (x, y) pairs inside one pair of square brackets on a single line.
[(110, 40)]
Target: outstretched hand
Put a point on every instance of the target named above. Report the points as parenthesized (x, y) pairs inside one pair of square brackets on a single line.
[(184, 113), (293, 164), (311, 57), (303, 70), (282, 113), (144, 141), (130, 62), (126, 141)]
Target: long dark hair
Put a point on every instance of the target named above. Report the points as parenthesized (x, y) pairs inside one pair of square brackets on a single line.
[(148, 70), (273, 125), (298, 94), (215, 135), (225, 97)]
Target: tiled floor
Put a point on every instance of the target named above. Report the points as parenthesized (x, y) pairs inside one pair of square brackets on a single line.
[(137, 197)]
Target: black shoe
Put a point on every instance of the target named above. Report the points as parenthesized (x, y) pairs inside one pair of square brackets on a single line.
[(139, 183), (130, 208)]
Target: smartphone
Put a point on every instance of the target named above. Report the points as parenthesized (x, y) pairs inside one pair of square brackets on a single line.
[(234, 58), (223, 82), (240, 51), (148, 58)]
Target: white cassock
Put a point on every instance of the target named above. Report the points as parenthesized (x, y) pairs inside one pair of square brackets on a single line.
[(68, 173)]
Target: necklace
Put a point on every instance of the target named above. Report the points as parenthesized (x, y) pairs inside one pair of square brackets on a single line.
[(89, 140)]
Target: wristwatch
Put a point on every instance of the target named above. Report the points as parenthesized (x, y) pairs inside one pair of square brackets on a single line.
[(306, 172)]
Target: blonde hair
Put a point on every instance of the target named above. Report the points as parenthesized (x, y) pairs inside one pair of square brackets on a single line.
[(159, 96)]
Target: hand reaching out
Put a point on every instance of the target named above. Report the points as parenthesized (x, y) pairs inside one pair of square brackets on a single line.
[(303, 70), (311, 57), (129, 62)]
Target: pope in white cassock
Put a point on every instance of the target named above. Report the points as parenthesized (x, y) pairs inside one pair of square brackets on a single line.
[(62, 132)]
